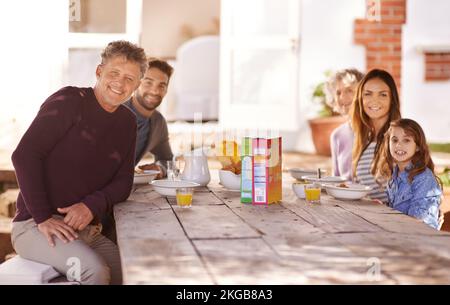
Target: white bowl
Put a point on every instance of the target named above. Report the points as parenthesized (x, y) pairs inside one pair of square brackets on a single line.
[(168, 187), (299, 189), (352, 192), (298, 173), (230, 180), (146, 177), (323, 180)]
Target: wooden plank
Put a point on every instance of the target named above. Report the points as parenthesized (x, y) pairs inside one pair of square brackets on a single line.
[(200, 198), (244, 262), (230, 198), (322, 259), (362, 205), (8, 175), (213, 221), (374, 215), (8, 202), (202, 189), (5, 224), (404, 260), (274, 220), (162, 262), (141, 220), (5, 237), (147, 195), (254, 262), (154, 248), (399, 223), (330, 217)]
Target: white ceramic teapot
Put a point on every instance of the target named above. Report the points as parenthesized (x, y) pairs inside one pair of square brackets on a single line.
[(196, 167)]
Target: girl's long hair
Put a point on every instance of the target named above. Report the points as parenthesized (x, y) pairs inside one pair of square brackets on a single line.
[(383, 164), (360, 121)]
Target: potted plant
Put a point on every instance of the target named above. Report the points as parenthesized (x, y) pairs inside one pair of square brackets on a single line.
[(327, 120)]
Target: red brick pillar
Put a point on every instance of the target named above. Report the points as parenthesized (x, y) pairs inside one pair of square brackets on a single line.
[(437, 66), (381, 34)]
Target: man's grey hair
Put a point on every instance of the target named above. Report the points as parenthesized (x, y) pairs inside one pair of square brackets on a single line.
[(128, 50)]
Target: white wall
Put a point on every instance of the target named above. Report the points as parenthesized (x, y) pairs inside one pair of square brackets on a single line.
[(33, 54), (428, 23), (326, 43), (167, 24)]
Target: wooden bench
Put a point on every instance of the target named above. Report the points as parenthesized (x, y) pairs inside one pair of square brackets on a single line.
[(7, 179), (5, 237), (20, 271)]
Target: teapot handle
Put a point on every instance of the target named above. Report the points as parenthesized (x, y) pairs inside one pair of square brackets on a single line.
[(176, 159), (176, 156)]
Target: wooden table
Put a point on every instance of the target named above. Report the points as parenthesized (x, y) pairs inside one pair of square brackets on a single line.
[(222, 241)]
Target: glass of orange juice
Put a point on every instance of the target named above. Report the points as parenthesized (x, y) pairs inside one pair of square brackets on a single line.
[(312, 193), (184, 197)]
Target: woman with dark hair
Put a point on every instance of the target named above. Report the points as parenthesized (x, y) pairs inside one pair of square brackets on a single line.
[(375, 106)]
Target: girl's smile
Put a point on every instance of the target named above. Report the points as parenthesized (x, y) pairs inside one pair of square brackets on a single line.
[(402, 147)]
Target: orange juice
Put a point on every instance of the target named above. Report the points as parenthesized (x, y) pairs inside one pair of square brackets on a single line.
[(184, 200), (312, 195)]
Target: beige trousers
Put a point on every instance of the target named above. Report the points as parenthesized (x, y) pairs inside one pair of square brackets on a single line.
[(91, 259)]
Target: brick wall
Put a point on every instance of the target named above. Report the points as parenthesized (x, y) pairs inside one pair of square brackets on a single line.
[(381, 34), (437, 66)]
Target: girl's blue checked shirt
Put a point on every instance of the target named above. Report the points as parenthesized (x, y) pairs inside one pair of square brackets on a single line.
[(419, 199)]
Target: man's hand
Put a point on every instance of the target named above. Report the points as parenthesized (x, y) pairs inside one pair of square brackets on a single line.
[(153, 166), (78, 216), (53, 226)]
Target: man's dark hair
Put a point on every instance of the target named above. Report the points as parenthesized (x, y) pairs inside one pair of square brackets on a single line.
[(161, 65)]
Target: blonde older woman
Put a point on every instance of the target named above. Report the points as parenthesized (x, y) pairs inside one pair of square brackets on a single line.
[(340, 91)]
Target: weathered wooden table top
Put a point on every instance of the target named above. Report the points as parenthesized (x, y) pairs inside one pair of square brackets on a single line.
[(222, 241)]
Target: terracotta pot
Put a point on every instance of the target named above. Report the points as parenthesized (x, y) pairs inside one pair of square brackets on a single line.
[(321, 129)]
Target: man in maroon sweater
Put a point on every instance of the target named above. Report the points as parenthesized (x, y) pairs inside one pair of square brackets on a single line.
[(75, 161)]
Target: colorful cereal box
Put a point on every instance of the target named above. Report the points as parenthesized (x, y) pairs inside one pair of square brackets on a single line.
[(267, 172), (246, 170)]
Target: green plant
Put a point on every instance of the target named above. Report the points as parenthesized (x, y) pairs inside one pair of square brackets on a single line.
[(319, 96), (445, 177), (439, 147)]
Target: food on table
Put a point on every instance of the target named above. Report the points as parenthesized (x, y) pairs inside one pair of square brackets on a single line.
[(301, 181), (227, 154), (235, 168)]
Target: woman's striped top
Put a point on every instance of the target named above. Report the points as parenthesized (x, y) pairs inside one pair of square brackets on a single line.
[(364, 176)]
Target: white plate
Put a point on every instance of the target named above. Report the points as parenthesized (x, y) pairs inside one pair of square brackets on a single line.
[(168, 187), (327, 179), (146, 177), (298, 173), (352, 192)]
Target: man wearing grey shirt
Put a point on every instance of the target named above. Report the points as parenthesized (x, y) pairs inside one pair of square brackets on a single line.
[(152, 132)]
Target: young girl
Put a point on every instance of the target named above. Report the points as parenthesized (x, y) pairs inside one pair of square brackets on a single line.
[(405, 161)]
